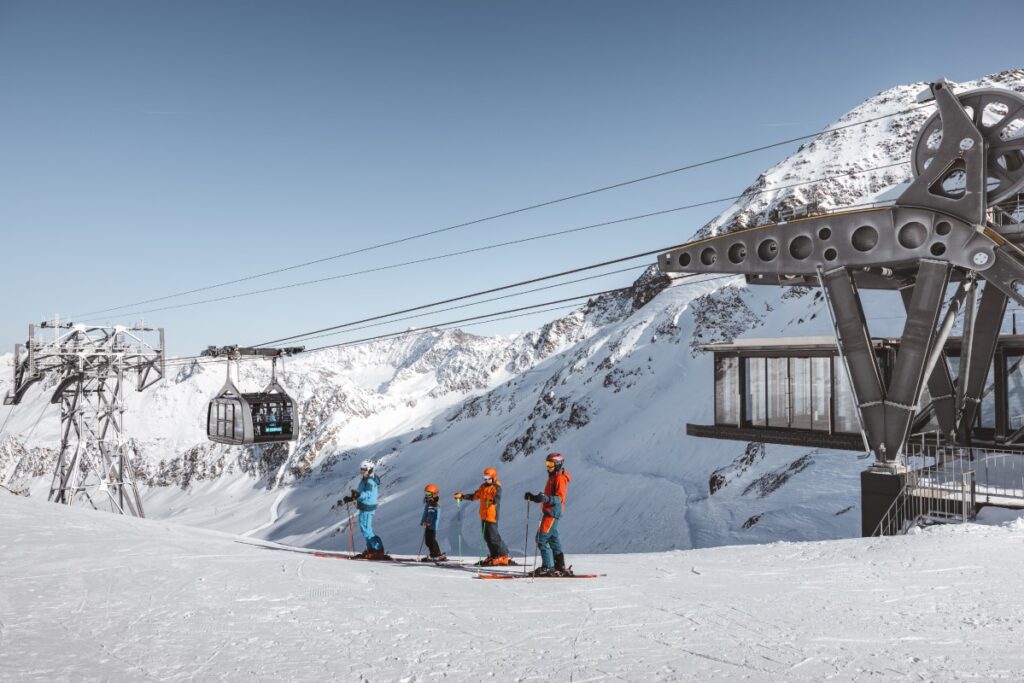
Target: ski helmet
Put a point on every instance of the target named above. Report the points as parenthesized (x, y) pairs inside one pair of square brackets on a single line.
[(432, 491), (366, 466), (491, 472), (556, 460)]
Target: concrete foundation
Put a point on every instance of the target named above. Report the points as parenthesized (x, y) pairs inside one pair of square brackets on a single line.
[(878, 489)]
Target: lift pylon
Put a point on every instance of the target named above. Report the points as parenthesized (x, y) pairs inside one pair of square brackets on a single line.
[(90, 365)]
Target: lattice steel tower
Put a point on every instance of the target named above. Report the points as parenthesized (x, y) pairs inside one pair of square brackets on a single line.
[(90, 365)]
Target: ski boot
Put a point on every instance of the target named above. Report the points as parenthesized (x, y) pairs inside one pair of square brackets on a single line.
[(560, 568), (372, 555), (440, 558), (543, 571)]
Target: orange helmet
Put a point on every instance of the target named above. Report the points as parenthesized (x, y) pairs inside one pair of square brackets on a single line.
[(491, 472), (432, 490)]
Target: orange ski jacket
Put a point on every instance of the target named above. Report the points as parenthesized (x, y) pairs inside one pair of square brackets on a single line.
[(555, 492), (489, 496)]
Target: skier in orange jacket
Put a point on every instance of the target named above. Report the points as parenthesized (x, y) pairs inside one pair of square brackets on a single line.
[(489, 495), (552, 506)]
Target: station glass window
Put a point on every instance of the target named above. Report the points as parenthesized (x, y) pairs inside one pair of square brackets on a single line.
[(756, 392), (1014, 392), (987, 413), (800, 394), (821, 392), (778, 392), (845, 408), (727, 391)]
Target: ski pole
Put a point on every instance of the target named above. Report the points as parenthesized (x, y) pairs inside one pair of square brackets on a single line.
[(351, 531), (458, 513), (536, 547), (419, 553), (480, 549), (526, 537)]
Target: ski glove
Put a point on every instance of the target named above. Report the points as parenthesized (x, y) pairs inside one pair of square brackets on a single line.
[(534, 497), (457, 496)]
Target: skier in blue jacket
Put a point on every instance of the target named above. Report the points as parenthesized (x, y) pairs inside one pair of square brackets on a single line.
[(365, 498), (430, 520)]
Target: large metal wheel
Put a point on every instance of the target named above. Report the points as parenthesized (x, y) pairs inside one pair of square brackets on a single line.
[(999, 115)]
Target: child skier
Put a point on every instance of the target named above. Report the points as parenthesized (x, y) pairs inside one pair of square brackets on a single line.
[(489, 495), (553, 504), (430, 520), (365, 498)]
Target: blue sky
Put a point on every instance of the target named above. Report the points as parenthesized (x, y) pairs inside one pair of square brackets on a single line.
[(152, 147)]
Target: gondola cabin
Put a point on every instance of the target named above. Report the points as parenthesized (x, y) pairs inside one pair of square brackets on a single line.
[(267, 416)]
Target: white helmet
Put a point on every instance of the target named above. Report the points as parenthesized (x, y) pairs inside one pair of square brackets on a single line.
[(366, 465)]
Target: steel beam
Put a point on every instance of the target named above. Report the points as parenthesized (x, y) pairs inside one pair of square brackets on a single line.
[(918, 336), (978, 359), (854, 341), (940, 383)]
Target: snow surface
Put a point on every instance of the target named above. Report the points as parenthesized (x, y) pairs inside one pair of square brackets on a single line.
[(92, 596)]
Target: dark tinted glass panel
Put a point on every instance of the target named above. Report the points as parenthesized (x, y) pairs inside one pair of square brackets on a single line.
[(987, 414), (1015, 392), (271, 418)]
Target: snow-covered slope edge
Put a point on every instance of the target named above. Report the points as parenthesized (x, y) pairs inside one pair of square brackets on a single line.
[(131, 599)]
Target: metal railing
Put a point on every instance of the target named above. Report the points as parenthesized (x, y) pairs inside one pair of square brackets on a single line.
[(946, 484), (930, 498)]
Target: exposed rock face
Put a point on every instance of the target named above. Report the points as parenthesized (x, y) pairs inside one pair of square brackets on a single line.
[(721, 317), (753, 453), (771, 482)]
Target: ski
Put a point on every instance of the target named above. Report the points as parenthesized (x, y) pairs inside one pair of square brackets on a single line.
[(450, 564), (529, 576), (336, 554), (342, 555)]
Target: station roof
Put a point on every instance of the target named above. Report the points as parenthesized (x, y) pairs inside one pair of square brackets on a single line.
[(828, 343)]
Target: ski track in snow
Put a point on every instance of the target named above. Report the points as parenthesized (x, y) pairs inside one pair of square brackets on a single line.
[(145, 600), (275, 514)]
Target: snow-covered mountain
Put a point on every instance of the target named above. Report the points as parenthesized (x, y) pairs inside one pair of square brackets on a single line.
[(610, 385)]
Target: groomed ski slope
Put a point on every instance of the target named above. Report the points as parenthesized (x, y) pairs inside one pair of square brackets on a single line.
[(88, 595)]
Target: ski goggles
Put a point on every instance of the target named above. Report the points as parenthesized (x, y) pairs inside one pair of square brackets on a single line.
[(550, 465)]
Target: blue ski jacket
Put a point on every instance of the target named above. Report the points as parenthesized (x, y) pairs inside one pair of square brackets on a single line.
[(431, 517), (367, 488)]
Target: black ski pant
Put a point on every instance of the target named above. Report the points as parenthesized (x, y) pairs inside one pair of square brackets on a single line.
[(430, 538), (495, 546)]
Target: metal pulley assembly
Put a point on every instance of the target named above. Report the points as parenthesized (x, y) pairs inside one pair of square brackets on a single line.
[(999, 116)]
